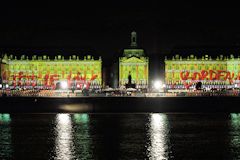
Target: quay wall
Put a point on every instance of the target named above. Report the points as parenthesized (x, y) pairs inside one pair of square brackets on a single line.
[(118, 104)]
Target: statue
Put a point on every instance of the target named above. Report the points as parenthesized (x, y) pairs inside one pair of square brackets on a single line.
[(129, 78)]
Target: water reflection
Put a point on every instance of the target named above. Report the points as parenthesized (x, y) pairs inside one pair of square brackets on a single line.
[(5, 137), (82, 138), (64, 137), (120, 136), (235, 134), (235, 120), (158, 132), (5, 118), (81, 118)]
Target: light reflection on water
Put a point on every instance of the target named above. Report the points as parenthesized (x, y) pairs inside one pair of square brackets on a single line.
[(5, 136), (5, 118), (64, 137), (127, 136), (72, 136), (82, 139), (235, 134), (158, 131)]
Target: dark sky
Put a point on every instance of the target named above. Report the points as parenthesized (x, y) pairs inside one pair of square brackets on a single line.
[(104, 28)]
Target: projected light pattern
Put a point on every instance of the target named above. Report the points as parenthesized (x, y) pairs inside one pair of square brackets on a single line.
[(42, 71), (220, 71)]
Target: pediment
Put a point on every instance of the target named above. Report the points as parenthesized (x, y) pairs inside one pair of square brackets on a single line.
[(133, 60)]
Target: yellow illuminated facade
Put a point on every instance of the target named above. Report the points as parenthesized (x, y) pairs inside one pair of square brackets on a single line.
[(219, 71), (45, 72), (134, 63)]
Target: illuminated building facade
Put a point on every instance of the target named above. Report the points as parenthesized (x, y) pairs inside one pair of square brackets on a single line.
[(42, 72), (220, 72), (134, 63)]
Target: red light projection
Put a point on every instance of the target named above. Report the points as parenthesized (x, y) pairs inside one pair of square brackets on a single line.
[(209, 75), (49, 80)]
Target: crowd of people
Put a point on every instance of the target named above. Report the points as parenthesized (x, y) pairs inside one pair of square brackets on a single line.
[(47, 93), (210, 93), (80, 93)]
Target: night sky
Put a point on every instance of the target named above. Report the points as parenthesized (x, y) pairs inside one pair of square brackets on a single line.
[(104, 28)]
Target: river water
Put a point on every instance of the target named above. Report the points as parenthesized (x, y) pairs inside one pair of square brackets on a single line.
[(120, 136)]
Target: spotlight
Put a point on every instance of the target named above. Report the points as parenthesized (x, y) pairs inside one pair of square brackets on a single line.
[(157, 84), (64, 85)]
